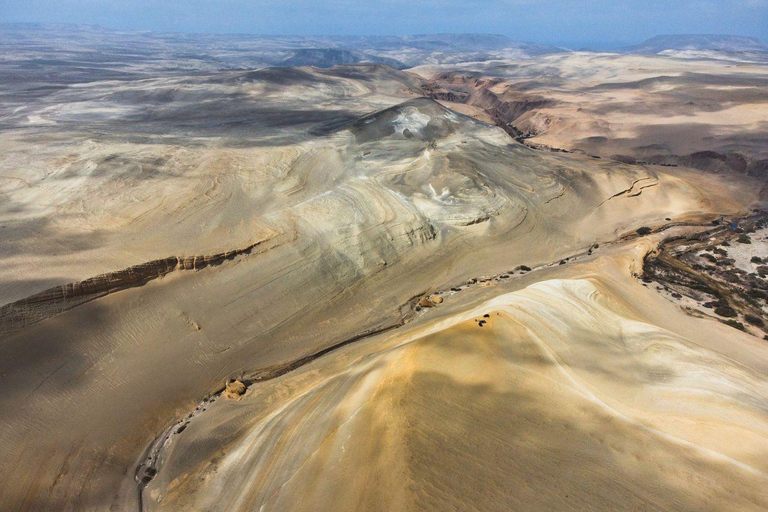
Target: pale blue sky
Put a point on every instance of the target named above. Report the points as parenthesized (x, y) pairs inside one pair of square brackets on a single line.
[(547, 21)]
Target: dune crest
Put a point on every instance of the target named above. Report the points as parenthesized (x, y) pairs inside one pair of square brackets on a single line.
[(565, 398)]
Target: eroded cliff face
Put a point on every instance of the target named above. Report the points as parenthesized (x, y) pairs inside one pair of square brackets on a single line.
[(38, 307), (399, 178), (505, 106)]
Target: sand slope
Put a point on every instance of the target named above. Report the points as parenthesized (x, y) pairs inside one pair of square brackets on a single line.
[(565, 400)]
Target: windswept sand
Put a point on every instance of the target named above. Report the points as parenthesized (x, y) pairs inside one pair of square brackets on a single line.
[(568, 398)]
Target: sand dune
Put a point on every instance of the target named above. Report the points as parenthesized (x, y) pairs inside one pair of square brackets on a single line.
[(565, 398)]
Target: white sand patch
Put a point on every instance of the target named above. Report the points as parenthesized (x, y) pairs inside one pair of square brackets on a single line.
[(743, 253), (411, 119)]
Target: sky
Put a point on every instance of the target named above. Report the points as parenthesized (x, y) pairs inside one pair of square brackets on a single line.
[(566, 22)]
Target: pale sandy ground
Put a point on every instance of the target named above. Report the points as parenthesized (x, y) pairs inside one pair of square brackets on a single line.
[(354, 220), (742, 254)]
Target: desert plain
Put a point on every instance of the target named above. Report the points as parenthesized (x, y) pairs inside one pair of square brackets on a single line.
[(407, 273)]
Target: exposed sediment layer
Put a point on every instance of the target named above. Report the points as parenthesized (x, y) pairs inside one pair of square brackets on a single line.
[(45, 304)]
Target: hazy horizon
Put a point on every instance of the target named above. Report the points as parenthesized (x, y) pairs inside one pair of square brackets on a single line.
[(573, 45), (592, 23)]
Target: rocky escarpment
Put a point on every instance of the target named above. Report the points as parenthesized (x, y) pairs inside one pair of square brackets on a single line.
[(38, 307), (709, 161), (328, 57), (477, 92)]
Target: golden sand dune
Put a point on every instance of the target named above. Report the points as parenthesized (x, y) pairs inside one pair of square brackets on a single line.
[(567, 398)]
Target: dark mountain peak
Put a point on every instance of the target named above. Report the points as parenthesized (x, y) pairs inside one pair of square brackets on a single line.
[(329, 57)]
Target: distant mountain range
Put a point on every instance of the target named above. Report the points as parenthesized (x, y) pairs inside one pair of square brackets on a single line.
[(238, 51), (401, 52), (95, 46), (682, 42), (328, 57)]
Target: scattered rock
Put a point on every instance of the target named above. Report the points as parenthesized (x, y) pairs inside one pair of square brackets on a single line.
[(735, 324), (430, 301), (234, 389), (645, 230), (725, 310)]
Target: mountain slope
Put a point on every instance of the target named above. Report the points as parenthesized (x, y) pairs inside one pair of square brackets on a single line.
[(328, 57), (681, 42), (564, 399)]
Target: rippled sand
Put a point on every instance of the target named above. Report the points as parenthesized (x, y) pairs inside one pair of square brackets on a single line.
[(567, 398)]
